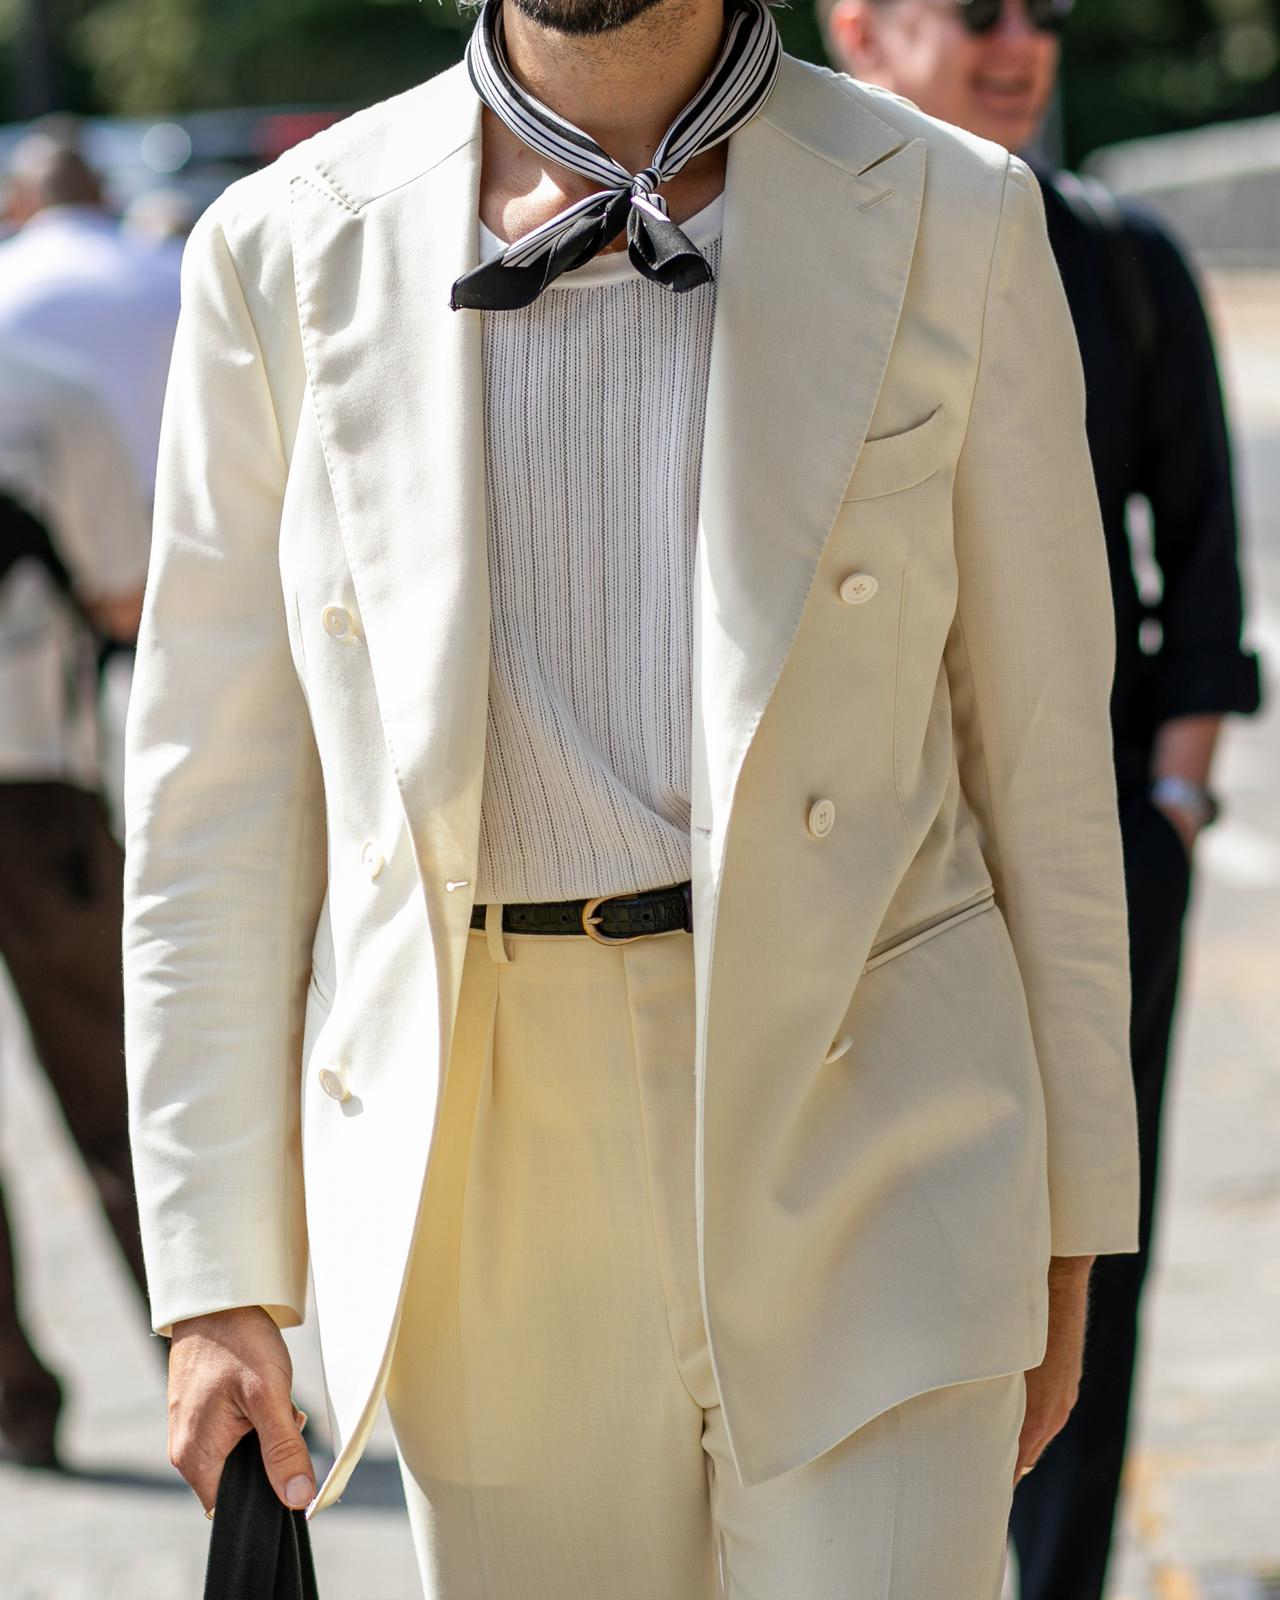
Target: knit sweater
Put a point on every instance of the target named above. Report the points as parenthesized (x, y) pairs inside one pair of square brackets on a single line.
[(595, 398)]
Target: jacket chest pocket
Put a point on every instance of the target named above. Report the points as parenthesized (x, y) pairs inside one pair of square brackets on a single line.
[(898, 461)]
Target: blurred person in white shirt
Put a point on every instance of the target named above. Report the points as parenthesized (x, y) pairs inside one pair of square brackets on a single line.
[(71, 277), (73, 556)]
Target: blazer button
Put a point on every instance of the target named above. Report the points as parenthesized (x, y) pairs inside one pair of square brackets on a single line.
[(857, 587), (822, 818), (332, 1084), (372, 859), (338, 622), (840, 1047)]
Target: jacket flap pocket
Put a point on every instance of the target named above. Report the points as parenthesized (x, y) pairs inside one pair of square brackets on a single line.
[(899, 944), (898, 461)]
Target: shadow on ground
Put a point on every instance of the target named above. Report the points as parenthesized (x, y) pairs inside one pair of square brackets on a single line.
[(375, 1485)]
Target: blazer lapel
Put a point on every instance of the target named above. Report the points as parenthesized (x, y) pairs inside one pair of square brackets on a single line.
[(822, 202), (396, 380)]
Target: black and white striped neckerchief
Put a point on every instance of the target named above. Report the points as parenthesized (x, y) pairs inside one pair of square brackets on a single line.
[(739, 84)]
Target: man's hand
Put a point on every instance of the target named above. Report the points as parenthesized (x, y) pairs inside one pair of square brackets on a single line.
[(1053, 1385), (229, 1373)]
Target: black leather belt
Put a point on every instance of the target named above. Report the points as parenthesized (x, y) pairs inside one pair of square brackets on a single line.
[(608, 919)]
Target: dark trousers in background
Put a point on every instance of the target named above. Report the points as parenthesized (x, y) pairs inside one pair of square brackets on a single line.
[(60, 913), (1064, 1512)]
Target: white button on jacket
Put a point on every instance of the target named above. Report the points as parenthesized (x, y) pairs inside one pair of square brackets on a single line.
[(333, 1084), (822, 818), (338, 622), (857, 587), (372, 859)]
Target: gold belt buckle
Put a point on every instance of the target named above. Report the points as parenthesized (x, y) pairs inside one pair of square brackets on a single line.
[(591, 923)]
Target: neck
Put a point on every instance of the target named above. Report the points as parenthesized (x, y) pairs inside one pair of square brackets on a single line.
[(626, 86)]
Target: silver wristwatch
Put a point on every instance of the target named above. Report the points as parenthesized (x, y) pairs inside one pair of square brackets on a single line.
[(1192, 798)]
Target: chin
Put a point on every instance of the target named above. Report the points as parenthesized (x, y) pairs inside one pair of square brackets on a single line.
[(1012, 132), (583, 18)]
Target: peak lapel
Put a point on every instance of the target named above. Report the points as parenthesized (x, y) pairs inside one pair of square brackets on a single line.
[(396, 380), (817, 250)]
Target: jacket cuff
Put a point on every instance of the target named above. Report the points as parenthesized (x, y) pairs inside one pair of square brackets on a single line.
[(1094, 1234), (1211, 680), (277, 1304)]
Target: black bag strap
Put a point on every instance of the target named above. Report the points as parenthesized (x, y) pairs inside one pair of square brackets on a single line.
[(24, 537), (1130, 296), (258, 1548)]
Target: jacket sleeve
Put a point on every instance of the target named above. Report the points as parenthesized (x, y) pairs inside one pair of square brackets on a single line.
[(1185, 471), (225, 869), (1029, 664)]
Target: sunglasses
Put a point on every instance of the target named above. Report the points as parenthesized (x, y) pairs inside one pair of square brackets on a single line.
[(981, 16)]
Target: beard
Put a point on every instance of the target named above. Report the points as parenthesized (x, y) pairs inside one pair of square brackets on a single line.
[(583, 18)]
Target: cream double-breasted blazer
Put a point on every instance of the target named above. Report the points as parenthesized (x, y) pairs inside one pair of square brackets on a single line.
[(912, 1002)]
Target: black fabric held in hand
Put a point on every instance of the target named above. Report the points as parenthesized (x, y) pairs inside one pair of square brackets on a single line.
[(258, 1548)]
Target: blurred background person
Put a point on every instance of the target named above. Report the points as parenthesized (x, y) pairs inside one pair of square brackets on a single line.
[(69, 276), (159, 220), (1156, 430), (73, 555)]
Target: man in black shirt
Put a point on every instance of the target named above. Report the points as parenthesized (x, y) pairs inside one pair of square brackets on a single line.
[(1157, 435)]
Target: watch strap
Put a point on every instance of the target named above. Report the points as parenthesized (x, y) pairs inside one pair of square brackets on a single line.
[(1194, 798)]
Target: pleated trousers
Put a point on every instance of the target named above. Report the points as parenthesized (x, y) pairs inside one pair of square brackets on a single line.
[(552, 1393)]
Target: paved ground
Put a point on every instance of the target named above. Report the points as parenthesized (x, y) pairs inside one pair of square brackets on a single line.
[(1205, 1480)]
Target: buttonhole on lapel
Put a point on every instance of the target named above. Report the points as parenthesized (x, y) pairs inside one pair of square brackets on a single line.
[(875, 200), (698, 828)]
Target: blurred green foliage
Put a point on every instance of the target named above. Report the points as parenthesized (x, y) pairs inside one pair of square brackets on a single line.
[(134, 57), (1131, 67), (1147, 66), (150, 54)]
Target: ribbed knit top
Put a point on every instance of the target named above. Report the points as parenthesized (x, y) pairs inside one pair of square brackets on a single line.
[(595, 398)]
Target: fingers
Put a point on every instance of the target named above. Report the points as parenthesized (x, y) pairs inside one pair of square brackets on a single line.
[(201, 1439), (198, 1449), (230, 1373), (1029, 1447), (285, 1456), (1038, 1432), (1025, 1463)]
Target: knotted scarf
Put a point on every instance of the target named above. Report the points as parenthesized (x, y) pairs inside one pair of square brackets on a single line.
[(738, 85)]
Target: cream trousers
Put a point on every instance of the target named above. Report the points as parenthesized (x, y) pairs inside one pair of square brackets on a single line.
[(552, 1392)]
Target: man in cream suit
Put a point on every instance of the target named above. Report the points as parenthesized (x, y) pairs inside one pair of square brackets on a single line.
[(624, 878)]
